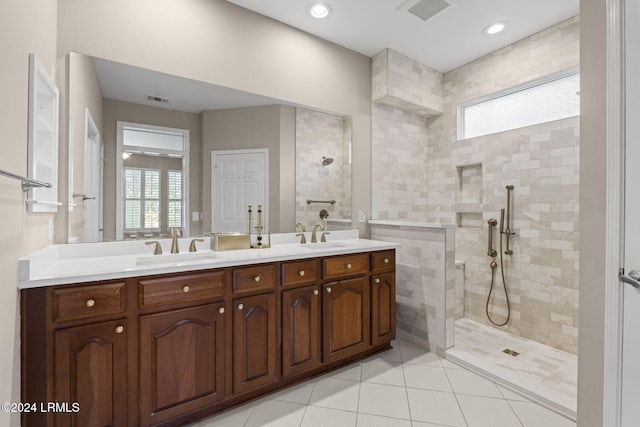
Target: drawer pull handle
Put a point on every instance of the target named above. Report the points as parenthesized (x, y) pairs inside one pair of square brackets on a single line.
[(119, 329), (91, 302), (315, 292), (240, 306), (186, 289), (385, 261), (256, 278), (377, 280), (221, 310), (328, 289), (301, 273), (348, 266)]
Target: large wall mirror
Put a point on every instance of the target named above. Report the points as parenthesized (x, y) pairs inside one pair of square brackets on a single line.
[(309, 152)]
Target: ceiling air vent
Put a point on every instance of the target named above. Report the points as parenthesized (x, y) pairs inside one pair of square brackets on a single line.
[(156, 99), (424, 9)]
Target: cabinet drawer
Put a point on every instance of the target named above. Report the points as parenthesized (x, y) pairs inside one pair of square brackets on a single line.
[(81, 302), (383, 260), (172, 290), (254, 278), (300, 272), (345, 266)]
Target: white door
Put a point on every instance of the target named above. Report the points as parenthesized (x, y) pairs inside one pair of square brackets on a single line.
[(239, 178), (631, 317), (92, 198)]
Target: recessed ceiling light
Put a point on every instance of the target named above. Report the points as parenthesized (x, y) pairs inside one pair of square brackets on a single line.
[(319, 10), (494, 28)]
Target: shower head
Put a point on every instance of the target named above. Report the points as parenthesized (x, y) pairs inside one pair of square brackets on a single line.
[(326, 161)]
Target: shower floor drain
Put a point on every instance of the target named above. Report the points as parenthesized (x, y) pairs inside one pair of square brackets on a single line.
[(510, 352)]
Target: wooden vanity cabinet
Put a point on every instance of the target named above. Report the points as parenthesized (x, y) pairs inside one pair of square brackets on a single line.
[(171, 349), (90, 366), (182, 361)]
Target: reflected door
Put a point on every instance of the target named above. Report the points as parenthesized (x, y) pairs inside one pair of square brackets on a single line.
[(92, 198), (239, 178)]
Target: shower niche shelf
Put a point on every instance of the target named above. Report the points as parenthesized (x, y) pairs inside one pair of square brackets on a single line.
[(469, 189), (469, 220)]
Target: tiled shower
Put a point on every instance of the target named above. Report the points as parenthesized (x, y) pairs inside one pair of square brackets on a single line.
[(450, 181)]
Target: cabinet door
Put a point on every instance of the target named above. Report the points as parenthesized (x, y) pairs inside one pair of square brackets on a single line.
[(383, 308), (254, 342), (182, 358), (345, 318), (301, 332), (90, 365)]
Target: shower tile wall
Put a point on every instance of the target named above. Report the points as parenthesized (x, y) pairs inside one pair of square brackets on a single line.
[(320, 134), (542, 162), (421, 172)]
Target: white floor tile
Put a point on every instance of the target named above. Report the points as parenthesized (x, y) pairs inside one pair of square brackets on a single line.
[(534, 415), (335, 393), (510, 395), (385, 400), (488, 412), (233, 418), (300, 393), (450, 365), (411, 353), (426, 377), (435, 407), (325, 417), (273, 413), (465, 382), (351, 372), (366, 420), (383, 372)]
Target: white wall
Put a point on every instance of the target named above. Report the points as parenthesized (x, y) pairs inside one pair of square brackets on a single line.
[(592, 212), (26, 26)]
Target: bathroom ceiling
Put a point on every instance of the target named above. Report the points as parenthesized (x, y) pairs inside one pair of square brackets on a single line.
[(448, 39)]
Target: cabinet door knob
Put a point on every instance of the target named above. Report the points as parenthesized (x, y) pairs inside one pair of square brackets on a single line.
[(119, 329), (256, 278), (315, 292), (377, 280), (91, 302), (386, 260), (328, 289), (221, 310), (185, 288), (240, 306), (348, 266), (301, 273)]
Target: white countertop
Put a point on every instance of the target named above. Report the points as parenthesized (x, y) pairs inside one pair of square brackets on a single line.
[(86, 262)]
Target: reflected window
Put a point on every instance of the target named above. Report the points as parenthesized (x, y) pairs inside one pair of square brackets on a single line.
[(142, 199), (174, 196), (552, 98)]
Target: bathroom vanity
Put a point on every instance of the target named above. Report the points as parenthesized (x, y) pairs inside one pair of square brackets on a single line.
[(162, 340)]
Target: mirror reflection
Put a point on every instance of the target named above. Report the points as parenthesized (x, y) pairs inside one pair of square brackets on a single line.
[(148, 188)]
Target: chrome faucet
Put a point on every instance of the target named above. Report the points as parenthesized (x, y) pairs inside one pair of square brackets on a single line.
[(314, 239), (175, 233)]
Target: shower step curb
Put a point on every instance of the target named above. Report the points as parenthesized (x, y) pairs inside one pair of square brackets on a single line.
[(538, 393)]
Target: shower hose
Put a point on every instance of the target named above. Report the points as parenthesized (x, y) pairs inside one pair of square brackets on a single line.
[(494, 265)]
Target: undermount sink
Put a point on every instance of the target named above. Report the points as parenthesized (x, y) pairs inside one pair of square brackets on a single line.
[(325, 246), (175, 258)]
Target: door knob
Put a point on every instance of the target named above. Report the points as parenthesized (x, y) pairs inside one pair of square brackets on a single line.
[(633, 278)]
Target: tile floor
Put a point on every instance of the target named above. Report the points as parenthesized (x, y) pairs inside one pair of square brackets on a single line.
[(402, 387), (542, 373)]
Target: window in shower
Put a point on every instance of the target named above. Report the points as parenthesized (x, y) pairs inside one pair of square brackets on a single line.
[(553, 97)]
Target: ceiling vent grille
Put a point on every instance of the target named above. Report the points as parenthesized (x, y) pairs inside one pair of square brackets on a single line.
[(156, 99), (425, 9)]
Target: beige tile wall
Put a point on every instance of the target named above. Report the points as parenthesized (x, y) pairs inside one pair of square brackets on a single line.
[(422, 172), (321, 134)]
